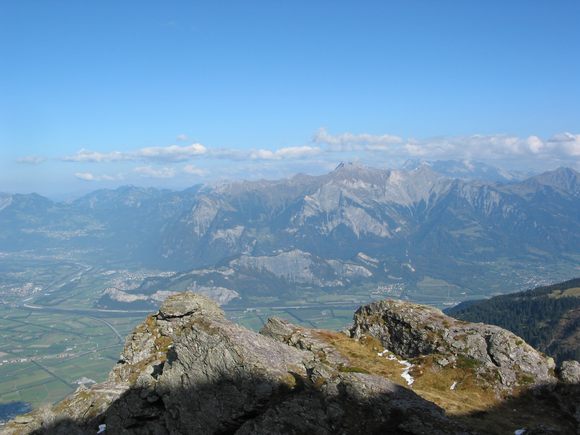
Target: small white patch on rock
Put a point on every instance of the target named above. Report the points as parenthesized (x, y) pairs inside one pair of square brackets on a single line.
[(453, 385)]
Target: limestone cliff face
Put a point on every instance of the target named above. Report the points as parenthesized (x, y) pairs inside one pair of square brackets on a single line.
[(188, 370)]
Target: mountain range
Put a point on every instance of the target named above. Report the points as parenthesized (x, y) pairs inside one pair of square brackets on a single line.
[(356, 225)]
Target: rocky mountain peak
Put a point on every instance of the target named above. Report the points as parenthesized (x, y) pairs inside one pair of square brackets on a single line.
[(356, 170), (564, 179), (348, 166)]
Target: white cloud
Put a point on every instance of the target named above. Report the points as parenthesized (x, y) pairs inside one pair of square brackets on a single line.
[(227, 154), (482, 147), (181, 137), (567, 144), (192, 170), (285, 153), (173, 153), (535, 144), (152, 172), (170, 153), (31, 160), (89, 176), (96, 157), (144, 171), (501, 146), (354, 142), (385, 149)]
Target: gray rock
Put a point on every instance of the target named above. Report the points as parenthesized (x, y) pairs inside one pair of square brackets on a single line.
[(570, 372), (410, 330), (302, 338), (23, 419), (188, 303)]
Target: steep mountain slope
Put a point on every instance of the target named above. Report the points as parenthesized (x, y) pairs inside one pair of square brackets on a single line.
[(133, 219), (33, 221), (355, 208), (546, 317), (186, 369)]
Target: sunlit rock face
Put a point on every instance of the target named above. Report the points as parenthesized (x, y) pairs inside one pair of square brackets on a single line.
[(411, 330)]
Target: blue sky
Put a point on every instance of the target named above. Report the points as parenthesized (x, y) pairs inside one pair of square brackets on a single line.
[(171, 93)]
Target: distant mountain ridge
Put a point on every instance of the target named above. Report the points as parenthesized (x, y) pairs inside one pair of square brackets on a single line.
[(416, 223)]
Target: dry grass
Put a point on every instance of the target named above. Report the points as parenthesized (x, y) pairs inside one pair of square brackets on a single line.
[(569, 292), (474, 402), (362, 355), (472, 393), (431, 381)]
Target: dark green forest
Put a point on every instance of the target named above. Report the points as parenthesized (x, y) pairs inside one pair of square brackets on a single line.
[(548, 318)]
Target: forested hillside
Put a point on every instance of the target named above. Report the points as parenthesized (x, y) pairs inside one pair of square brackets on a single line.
[(546, 317)]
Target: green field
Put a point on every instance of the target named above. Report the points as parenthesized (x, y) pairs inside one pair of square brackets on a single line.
[(42, 355), (321, 318)]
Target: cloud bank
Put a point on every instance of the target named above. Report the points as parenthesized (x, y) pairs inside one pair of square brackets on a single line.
[(355, 142), (478, 147), (285, 153), (89, 176), (168, 171), (172, 153), (325, 150)]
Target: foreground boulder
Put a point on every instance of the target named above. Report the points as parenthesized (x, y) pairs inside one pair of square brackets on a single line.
[(412, 330), (188, 370)]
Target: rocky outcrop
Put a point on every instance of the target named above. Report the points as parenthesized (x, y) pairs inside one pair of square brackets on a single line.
[(305, 339), (570, 372), (187, 369), (412, 330)]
